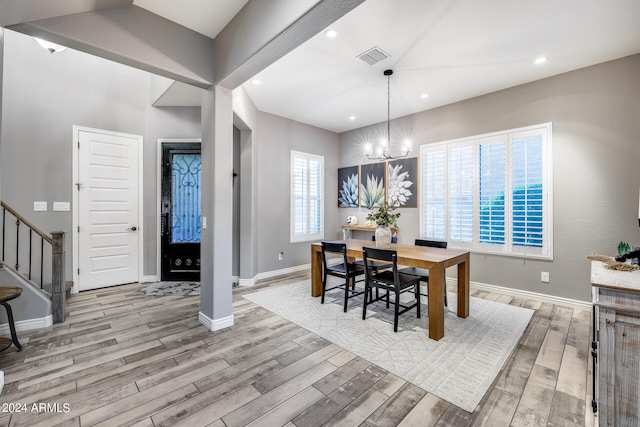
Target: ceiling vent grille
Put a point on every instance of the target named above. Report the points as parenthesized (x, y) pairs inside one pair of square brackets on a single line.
[(373, 55)]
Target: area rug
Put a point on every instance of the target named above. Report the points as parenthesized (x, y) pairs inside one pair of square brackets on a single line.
[(459, 368), (170, 288)]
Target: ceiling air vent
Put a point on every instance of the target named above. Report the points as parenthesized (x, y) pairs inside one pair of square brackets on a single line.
[(373, 55)]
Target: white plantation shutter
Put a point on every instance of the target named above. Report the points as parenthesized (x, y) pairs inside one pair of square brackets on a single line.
[(527, 189), (493, 163), (461, 194), (315, 196), (307, 205), (491, 193), (434, 194)]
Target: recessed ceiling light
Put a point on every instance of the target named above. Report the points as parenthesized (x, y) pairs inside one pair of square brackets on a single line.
[(330, 33), (540, 60), (424, 96), (255, 81), (352, 118)]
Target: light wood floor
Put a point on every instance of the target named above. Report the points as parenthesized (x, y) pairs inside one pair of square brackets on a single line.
[(147, 361)]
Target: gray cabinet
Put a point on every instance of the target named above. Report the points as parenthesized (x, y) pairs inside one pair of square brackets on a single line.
[(616, 300)]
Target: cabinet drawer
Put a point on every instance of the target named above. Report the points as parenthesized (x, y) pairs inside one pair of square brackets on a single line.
[(616, 297)]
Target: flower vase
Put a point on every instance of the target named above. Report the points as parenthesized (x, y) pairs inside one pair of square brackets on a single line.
[(383, 237)]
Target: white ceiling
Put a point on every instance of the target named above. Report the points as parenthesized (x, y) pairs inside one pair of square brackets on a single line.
[(452, 50)]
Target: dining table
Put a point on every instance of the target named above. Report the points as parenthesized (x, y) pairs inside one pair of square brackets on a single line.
[(436, 260)]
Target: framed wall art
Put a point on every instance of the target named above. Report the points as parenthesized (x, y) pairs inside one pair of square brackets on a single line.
[(372, 185), (348, 183), (402, 183)]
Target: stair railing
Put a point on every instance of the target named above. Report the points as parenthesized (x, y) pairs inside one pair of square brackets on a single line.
[(35, 255)]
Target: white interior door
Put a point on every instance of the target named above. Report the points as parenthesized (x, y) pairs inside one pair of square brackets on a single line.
[(107, 208)]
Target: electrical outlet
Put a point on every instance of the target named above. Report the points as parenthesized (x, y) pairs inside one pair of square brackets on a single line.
[(544, 277), (280, 256)]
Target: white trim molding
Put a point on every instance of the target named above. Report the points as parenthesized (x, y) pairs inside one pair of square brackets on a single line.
[(551, 299), (27, 325), (215, 324), (274, 273), (452, 281)]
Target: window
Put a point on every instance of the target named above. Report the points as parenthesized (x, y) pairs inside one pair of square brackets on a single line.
[(307, 205), (490, 193)]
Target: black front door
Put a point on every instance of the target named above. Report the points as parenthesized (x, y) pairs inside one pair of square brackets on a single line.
[(180, 212)]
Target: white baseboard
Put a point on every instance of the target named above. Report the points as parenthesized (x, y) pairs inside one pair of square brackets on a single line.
[(215, 324), (274, 273), (1, 381), (149, 279), (565, 302), (27, 325)]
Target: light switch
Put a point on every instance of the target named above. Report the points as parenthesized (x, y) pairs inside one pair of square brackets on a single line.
[(61, 206), (204, 222), (40, 206)]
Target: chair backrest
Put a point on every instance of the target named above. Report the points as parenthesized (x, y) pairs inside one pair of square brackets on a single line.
[(334, 248), (431, 243), (385, 255)]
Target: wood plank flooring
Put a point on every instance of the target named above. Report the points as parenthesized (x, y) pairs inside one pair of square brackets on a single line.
[(122, 360)]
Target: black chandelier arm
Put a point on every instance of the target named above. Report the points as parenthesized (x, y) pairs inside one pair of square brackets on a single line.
[(384, 154)]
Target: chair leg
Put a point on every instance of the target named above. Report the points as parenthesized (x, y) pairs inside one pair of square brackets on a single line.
[(367, 291), (346, 293), (418, 298), (446, 304), (324, 286), (387, 298), (396, 311)]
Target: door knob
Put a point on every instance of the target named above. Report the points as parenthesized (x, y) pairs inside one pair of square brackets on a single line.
[(132, 228)]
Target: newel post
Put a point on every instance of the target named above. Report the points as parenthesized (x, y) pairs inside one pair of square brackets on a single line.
[(58, 291)]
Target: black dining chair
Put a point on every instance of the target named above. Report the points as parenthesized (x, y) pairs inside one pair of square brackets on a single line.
[(344, 269), (423, 273), (376, 266), (390, 281)]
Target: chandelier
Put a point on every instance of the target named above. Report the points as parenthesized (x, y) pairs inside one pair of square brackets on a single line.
[(382, 150)]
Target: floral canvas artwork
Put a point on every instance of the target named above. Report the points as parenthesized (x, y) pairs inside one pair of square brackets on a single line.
[(348, 187), (372, 185), (402, 178)]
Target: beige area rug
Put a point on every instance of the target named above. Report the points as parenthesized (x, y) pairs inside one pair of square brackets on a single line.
[(459, 368)]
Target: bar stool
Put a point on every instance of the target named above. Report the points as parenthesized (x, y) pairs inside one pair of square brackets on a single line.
[(7, 293)]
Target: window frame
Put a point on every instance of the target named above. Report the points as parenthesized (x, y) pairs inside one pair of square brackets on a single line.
[(308, 235), (508, 248)]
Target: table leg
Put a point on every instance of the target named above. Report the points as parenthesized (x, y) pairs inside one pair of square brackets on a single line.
[(436, 302), (12, 327), (463, 288), (316, 271)]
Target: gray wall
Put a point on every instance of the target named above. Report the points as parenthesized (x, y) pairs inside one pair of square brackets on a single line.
[(596, 175), (31, 304), (277, 137), (44, 96)]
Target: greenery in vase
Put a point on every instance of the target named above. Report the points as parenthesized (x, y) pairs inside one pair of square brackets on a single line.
[(623, 247), (384, 215)]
